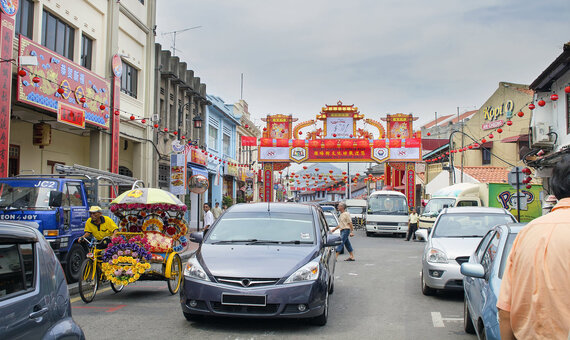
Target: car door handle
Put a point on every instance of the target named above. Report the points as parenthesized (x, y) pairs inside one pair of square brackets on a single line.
[(40, 313)]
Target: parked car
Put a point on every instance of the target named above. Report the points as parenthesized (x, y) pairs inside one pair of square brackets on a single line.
[(332, 221), (34, 299), (262, 261), (329, 208), (482, 282), (454, 236)]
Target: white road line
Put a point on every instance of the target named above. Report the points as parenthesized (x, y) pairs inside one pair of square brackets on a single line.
[(452, 319), (437, 319), (369, 264), (353, 274)]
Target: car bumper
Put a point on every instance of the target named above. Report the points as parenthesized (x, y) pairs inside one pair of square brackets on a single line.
[(445, 276), (386, 229), (282, 300)]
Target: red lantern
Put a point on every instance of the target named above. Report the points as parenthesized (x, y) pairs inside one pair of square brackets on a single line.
[(460, 150), (317, 169), (344, 172), (246, 126), (566, 89), (331, 171), (398, 135), (520, 114), (183, 137), (529, 186), (509, 123), (165, 129), (531, 106), (36, 79), (300, 132), (465, 149), (156, 126), (117, 112), (526, 171), (143, 121), (334, 134), (429, 133), (554, 97), (476, 145), (491, 136), (60, 90), (22, 73), (541, 103), (483, 141), (133, 118), (264, 129), (102, 107), (499, 130), (175, 133), (304, 168), (470, 146), (283, 131), (82, 99)]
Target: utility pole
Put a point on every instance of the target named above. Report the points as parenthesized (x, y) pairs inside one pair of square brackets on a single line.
[(462, 144), (174, 37)]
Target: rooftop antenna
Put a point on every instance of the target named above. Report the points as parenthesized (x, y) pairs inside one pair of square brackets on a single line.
[(174, 37)]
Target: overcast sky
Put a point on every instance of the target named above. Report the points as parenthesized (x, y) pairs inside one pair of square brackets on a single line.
[(384, 56)]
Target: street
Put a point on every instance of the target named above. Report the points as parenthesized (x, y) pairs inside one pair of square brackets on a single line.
[(376, 297)]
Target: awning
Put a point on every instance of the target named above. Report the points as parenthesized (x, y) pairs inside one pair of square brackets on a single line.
[(514, 139), (194, 170)]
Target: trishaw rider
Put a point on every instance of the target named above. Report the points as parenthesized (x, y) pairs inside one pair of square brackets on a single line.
[(99, 226)]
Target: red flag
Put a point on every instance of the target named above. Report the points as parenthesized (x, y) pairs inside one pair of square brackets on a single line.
[(248, 141)]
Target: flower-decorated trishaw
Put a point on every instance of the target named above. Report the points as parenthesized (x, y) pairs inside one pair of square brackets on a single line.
[(151, 234)]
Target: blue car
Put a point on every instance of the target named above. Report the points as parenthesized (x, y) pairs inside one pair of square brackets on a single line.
[(483, 274), (262, 260)]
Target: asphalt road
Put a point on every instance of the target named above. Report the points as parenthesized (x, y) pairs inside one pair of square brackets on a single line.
[(376, 297)]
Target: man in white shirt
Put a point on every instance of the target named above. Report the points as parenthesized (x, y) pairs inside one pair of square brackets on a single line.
[(208, 217)]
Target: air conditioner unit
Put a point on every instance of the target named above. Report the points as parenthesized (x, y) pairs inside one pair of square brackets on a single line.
[(540, 136)]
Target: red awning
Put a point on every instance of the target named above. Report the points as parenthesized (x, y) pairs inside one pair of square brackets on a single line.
[(514, 139)]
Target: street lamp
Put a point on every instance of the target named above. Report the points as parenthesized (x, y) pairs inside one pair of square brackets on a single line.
[(197, 121)]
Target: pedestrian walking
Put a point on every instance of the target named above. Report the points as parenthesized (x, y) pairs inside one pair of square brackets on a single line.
[(346, 230), (534, 301), (217, 211), (412, 223), (208, 217)]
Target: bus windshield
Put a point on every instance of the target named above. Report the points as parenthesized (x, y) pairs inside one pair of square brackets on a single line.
[(387, 205)]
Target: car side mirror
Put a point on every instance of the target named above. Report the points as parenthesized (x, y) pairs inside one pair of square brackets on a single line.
[(333, 240), (197, 237), (473, 270), (422, 234), (55, 198)]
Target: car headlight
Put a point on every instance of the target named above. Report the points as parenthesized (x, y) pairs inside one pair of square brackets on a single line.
[(436, 256), (194, 270), (309, 272)]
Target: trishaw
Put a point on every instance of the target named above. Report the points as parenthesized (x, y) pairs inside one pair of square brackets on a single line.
[(151, 234)]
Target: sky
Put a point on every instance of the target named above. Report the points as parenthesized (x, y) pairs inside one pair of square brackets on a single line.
[(383, 56)]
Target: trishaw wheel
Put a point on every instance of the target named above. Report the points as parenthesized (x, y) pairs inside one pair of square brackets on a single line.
[(88, 281), (116, 288), (175, 275)]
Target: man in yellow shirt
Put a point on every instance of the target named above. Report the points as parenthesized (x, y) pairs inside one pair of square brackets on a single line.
[(412, 224), (98, 226), (346, 230), (534, 302)]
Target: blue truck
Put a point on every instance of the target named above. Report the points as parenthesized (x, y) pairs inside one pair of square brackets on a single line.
[(58, 204)]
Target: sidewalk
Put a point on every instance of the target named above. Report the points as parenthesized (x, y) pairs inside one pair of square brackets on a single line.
[(184, 256)]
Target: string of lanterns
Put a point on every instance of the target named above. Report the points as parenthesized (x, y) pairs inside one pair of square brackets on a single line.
[(320, 182)]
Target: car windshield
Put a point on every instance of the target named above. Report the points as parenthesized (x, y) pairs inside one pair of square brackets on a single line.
[(435, 205), (331, 220), (387, 205), (26, 194), (468, 225), (356, 210), (267, 227), (506, 252)]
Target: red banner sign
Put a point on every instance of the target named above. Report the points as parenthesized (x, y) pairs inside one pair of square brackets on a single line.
[(70, 115), (197, 157), (6, 39), (267, 182), (82, 89), (339, 154), (411, 184), (248, 141)]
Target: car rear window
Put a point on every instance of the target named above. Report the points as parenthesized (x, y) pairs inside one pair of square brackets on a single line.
[(16, 268), (468, 225), (279, 227)]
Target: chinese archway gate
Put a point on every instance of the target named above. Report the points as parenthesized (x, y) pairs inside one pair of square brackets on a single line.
[(341, 140)]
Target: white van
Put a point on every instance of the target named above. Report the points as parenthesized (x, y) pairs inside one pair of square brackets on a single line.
[(357, 210), (387, 213)]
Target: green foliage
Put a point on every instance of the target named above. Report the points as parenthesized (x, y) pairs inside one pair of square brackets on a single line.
[(228, 201)]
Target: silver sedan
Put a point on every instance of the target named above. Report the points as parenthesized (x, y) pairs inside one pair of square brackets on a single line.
[(455, 235)]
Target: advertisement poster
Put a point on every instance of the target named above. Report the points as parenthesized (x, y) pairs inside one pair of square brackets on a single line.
[(177, 174), (504, 196)]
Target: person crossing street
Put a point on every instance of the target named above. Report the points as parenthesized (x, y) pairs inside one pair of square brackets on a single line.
[(412, 224), (346, 230)]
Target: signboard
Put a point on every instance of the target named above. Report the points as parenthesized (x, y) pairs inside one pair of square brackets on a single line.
[(248, 141), (411, 184), (339, 127), (178, 174), (267, 181), (339, 154), (502, 195), (10, 7), (273, 154), (6, 41), (493, 124), (70, 115), (512, 177), (198, 157), (54, 72), (492, 113)]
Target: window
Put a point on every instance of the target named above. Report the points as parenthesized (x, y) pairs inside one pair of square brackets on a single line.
[(14, 160), (18, 268), (73, 196), (25, 18), (491, 252), (212, 137), (57, 35), (483, 244), (163, 176), (129, 80), (226, 145), (86, 51), (468, 204), (486, 156)]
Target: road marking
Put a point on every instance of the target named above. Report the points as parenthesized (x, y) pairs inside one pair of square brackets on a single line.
[(352, 274), (107, 309), (102, 290), (438, 320), (369, 264), (114, 309)]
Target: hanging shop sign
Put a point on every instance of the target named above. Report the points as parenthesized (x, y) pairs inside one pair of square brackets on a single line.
[(62, 81), (411, 184), (492, 113), (198, 157), (178, 174), (70, 115)]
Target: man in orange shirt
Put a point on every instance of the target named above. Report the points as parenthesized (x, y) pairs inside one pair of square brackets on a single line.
[(534, 302)]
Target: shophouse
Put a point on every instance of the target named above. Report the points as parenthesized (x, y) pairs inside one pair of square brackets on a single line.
[(550, 124), (221, 124), (82, 82), (246, 154)]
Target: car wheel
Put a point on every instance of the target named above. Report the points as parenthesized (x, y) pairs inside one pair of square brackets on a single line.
[(74, 260), (467, 323), (426, 290), (321, 320)]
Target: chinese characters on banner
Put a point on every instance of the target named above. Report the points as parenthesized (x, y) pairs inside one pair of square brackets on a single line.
[(6, 36), (267, 182), (411, 184)]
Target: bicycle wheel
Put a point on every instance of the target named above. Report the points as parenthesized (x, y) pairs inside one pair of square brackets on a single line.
[(175, 275), (88, 282), (116, 288)]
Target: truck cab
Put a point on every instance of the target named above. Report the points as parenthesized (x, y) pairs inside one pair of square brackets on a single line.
[(357, 210), (458, 195), (387, 213)]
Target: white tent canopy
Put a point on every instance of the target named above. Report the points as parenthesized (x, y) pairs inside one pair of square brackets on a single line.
[(442, 180)]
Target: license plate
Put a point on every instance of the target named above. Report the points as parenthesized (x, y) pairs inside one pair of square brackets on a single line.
[(244, 300)]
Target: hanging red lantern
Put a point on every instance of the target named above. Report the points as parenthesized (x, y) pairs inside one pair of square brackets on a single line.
[(60, 90), (398, 135), (529, 186), (509, 123), (300, 132), (566, 89), (520, 114), (36, 79), (465, 149), (183, 137), (429, 133), (476, 145), (246, 126), (470, 146), (483, 141), (175, 133), (143, 121), (156, 126), (102, 107), (165, 129), (344, 172), (460, 150), (117, 112), (317, 169), (554, 97), (532, 106), (541, 103), (283, 131), (22, 73), (133, 118), (82, 99), (334, 134), (499, 130), (526, 171), (264, 129), (331, 171), (491, 136)]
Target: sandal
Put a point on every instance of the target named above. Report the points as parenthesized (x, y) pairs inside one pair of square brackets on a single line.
[(349, 259)]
